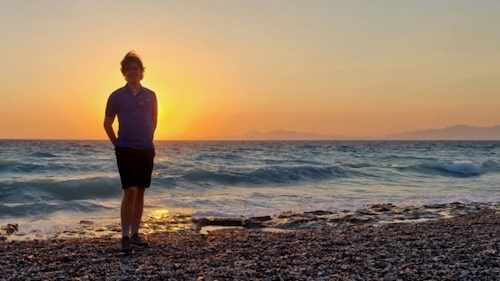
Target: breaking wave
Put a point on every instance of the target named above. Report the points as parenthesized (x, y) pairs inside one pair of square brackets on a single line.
[(462, 168), (266, 175)]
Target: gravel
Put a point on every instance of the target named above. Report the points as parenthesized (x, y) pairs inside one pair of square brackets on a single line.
[(465, 247)]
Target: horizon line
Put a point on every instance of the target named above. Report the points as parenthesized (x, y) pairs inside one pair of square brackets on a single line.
[(250, 140)]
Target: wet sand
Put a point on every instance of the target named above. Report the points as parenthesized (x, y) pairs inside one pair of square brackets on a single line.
[(457, 245)]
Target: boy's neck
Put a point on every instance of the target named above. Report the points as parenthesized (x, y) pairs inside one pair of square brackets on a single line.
[(135, 87)]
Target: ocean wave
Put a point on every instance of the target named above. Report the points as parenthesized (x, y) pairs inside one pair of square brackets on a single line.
[(7, 165), (466, 168), (491, 166), (291, 162), (407, 158), (42, 154), (358, 165), (19, 169), (463, 168), (266, 175), (42, 209), (218, 157), (76, 189)]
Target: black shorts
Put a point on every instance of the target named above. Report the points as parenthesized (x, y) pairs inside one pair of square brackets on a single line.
[(135, 166)]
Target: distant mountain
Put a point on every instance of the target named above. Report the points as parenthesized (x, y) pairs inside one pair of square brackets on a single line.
[(459, 132), (288, 135)]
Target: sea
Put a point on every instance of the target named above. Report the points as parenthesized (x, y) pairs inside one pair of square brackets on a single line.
[(60, 183)]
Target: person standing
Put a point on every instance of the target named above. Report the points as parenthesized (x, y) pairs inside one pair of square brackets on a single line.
[(137, 111)]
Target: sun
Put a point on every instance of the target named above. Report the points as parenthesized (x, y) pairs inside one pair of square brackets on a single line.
[(186, 98), (175, 111), (164, 113)]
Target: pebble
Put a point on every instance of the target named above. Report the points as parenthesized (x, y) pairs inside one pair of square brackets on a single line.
[(463, 247)]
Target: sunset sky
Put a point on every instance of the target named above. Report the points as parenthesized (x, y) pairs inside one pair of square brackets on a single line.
[(222, 68)]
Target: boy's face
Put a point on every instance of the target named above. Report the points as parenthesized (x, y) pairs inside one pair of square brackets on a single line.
[(132, 73)]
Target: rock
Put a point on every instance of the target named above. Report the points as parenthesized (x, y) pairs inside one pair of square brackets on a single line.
[(11, 228), (261, 219), (251, 223), (319, 213), (382, 207), (219, 222)]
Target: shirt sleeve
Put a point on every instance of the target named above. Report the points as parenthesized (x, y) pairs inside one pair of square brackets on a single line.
[(154, 111), (112, 106)]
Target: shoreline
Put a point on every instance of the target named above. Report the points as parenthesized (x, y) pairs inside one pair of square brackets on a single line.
[(463, 247), (376, 214)]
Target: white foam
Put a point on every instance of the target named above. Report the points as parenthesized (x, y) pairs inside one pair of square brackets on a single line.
[(463, 167)]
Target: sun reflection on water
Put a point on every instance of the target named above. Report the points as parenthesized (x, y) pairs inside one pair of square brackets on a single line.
[(161, 221)]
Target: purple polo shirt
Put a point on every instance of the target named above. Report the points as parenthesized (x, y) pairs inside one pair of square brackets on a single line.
[(135, 117)]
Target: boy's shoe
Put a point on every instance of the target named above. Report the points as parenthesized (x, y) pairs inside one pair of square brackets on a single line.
[(126, 247), (137, 242)]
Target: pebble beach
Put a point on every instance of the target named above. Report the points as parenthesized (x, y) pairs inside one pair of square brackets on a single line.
[(462, 245)]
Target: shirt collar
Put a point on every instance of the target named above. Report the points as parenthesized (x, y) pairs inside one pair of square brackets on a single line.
[(126, 89)]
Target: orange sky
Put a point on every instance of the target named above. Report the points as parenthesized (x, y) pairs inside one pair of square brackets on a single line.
[(224, 68)]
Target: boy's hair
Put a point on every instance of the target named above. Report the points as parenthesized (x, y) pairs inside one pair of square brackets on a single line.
[(131, 57)]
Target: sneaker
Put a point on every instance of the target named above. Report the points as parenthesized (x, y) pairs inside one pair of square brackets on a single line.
[(137, 242), (126, 248)]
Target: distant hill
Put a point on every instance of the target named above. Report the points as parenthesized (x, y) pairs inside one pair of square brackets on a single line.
[(458, 132)]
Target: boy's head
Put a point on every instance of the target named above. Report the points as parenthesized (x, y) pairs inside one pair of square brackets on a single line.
[(129, 60)]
